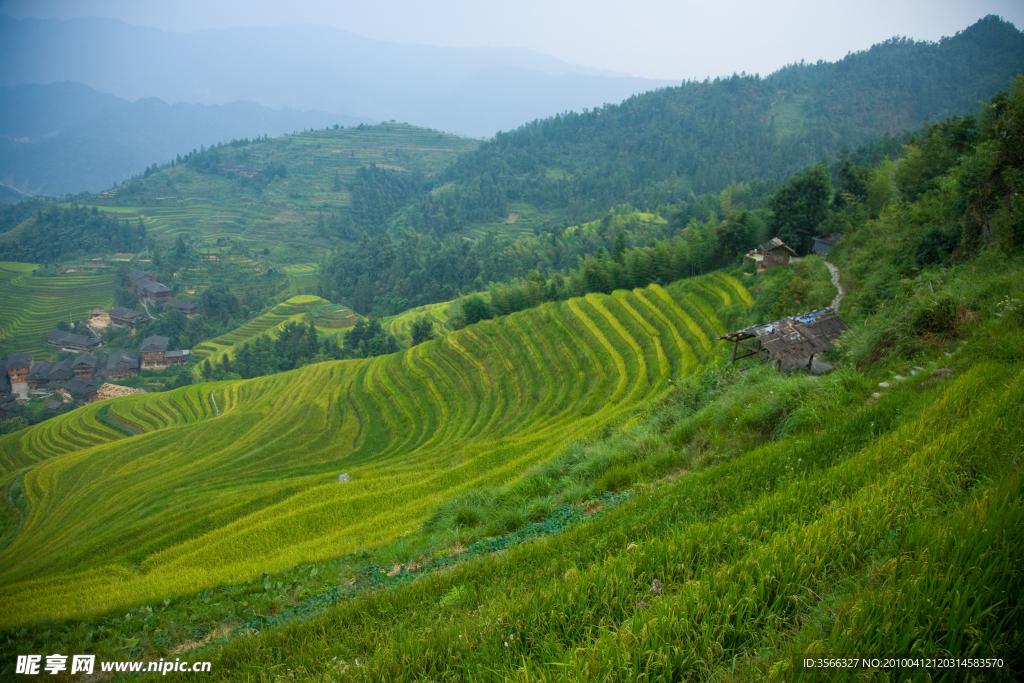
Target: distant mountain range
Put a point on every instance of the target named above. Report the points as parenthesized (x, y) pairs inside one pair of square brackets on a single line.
[(467, 91), (67, 137)]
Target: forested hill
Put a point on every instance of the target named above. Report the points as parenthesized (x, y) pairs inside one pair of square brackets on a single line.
[(658, 147), (518, 197)]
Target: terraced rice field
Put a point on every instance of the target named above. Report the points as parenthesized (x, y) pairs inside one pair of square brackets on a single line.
[(283, 215), (240, 477), (294, 309), (301, 277), (31, 306), (401, 325)]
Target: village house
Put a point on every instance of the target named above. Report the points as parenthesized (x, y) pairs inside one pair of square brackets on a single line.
[(80, 386), (5, 383), (69, 341), (122, 364), (18, 366), (772, 253), (822, 245), (137, 276), (177, 357), (125, 317), (152, 350), (49, 371), (154, 291), (53, 405), (186, 308), (84, 367)]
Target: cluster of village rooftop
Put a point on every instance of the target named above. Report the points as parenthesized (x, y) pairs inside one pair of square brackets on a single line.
[(22, 377)]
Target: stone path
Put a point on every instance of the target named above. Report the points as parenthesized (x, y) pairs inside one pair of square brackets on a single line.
[(839, 288)]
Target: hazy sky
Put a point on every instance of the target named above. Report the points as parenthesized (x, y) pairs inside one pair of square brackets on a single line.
[(650, 38)]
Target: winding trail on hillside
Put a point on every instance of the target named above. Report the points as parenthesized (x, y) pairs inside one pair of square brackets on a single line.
[(839, 288), (216, 411)]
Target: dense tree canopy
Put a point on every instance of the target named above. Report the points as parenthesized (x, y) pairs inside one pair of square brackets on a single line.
[(53, 234), (667, 151)]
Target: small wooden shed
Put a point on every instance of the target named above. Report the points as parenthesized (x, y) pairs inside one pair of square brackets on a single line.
[(772, 253), (790, 341)]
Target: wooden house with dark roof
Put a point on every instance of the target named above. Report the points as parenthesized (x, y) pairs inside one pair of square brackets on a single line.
[(53, 405), (137, 276), (153, 349), (154, 291), (791, 341), (69, 341), (186, 308), (822, 245), (80, 386), (772, 253), (49, 371), (84, 367), (177, 357), (18, 366), (125, 317), (122, 364)]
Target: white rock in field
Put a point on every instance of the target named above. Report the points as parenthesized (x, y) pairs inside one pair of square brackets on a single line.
[(884, 385), (342, 477)]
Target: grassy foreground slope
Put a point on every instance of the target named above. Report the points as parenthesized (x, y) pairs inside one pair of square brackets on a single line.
[(239, 478), (31, 306), (897, 531)]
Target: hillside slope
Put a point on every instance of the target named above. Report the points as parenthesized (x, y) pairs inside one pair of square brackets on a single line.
[(298, 204), (665, 148), (660, 146), (240, 477)]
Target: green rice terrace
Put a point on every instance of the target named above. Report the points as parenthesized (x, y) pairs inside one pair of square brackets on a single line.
[(401, 325), (247, 470), (31, 306), (283, 214), (328, 317)]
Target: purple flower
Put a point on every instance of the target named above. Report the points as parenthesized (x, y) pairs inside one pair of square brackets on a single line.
[(656, 587)]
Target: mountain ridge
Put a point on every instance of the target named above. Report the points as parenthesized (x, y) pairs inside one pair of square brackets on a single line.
[(67, 138), (369, 79)]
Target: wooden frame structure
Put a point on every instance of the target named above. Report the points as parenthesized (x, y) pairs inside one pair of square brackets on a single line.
[(792, 341)]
